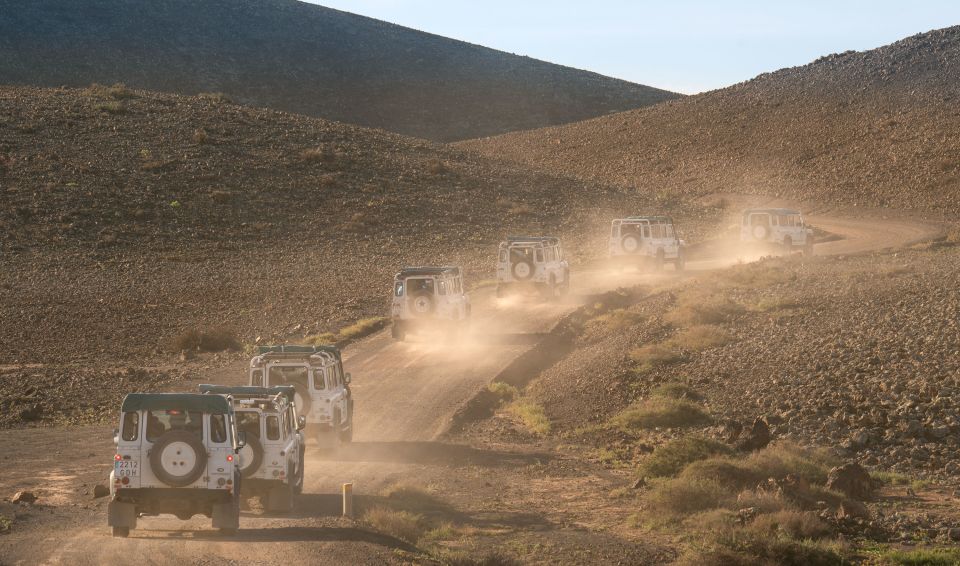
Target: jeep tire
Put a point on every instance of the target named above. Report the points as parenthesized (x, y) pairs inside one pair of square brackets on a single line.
[(256, 456), (298, 486), (280, 497), (301, 393), (346, 435), (121, 532), (181, 450)]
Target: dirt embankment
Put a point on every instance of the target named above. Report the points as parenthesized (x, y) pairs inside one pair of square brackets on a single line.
[(875, 128)]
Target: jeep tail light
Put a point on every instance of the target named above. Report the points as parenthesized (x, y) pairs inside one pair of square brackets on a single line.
[(117, 457), (229, 457), (125, 480)]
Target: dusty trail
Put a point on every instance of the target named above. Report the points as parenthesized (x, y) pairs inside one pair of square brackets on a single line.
[(405, 395)]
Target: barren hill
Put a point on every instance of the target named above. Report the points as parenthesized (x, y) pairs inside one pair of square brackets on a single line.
[(880, 127), (302, 58), (129, 216)]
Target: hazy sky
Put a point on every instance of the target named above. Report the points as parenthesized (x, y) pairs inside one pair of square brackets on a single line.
[(682, 45)]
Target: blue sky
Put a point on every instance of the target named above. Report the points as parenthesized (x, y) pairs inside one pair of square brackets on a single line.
[(682, 45)]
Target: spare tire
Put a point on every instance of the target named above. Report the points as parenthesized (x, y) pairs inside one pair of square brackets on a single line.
[(630, 243), (522, 269), (421, 305), (178, 458), (759, 232), (301, 397), (251, 456)]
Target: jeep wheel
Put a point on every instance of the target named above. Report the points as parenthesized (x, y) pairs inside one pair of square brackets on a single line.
[(522, 269), (251, 456), (659, 260), (178, 458), (346, 435), (280, 498), (298, 486), (121, 532), (630, 244), (421, 305)]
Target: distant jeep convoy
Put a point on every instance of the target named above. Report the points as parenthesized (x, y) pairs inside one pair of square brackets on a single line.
[(191, 454)]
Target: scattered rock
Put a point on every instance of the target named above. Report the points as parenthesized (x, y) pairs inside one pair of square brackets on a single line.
[(852, 480), (100, 490), (756, 438), (850, 509), (27, 497)]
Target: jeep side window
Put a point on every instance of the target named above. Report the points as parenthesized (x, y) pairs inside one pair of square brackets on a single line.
[(539, 256), (218, 429), (503, 256), (614, 230), (398, 288), (257, 378), (646, 231), (131, 426), (273, 428), (668, 229), (443, 287)]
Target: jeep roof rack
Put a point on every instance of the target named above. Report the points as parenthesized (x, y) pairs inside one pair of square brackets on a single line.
[(533, 239), (297, 350), (249, 391), (213, 404), (429, 270), (771, 211), (650, 218)]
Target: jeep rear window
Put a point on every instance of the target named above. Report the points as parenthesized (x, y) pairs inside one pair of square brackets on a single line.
[(218, 428), (282, 375), (417, 286), (443, 287), (131, 426), (249, 422), (161, 422), (273, 428), (319, 382)]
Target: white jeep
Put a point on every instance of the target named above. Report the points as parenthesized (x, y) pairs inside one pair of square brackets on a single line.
[(533, 262), (776, 226), (321, 388), (272, 461), (176, 453), (639, 240), (429, 298)]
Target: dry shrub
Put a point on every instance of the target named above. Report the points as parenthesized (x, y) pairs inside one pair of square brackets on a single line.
[(327, 181), (798, 525), (221, 197), (661, 412), (363, 327), (672, 499), (215, 97), (318, 155), (615, 320), (521, 209), (532, 415), (671, 458), (700, 337), (653, 356), (323, 339), (118, 91), (400, 524), (208, 340), (697, 306), (200, 136), (503, 391), (676, 390), (6, 163), (774, 304), (114, 108), (436, 167)]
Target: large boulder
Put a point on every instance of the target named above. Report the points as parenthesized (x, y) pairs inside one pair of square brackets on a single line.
[(851, 480), (756, 438)]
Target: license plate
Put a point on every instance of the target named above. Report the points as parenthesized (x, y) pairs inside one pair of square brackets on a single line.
[(126, 468)]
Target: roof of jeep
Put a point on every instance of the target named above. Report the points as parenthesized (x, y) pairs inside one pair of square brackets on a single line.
[(647, 218), (781, 211), (213, 404), (298, 349), (429, 270), (533, 239), (253, 391)]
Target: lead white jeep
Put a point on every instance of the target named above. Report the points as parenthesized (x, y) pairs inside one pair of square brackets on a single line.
[(321, 388), (429, 299), (776, 226), (177, 454), (646, 240), (272, 461), (532, 262)]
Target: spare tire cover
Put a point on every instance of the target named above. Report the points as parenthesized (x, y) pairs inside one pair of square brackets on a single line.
[(760, 232), (630, 243), (251, 456), (421, 305), (301, 397), (178, 458), (522, 269)]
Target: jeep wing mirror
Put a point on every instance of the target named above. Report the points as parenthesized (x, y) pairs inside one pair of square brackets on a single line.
[(301, 422), (347, 378), (241, 439), (116, 436)]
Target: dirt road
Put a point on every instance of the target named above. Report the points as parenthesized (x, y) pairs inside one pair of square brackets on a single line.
[(405, 396)]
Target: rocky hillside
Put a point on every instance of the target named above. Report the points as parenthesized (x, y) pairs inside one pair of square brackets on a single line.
[(129, 217), (879, 127), (302, 58)]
